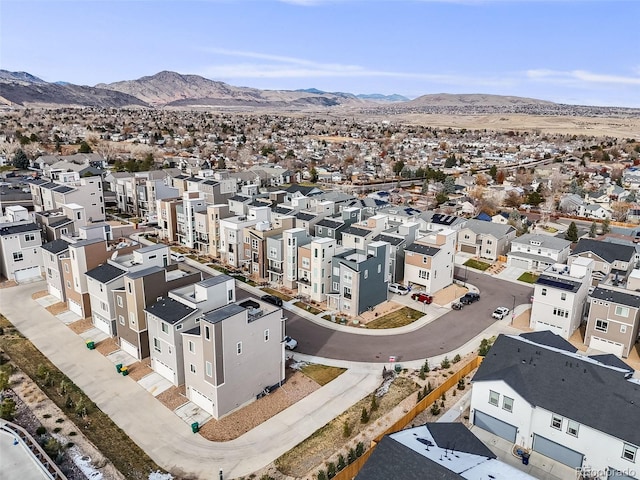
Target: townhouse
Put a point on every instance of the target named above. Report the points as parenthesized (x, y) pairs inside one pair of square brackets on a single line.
[(234, 355), (20, 256), (535, 252), (560, 297), (429, 261), (610, 258), (485, 239), (536, 391), (178, 311), (292, 239), (398, 239), (231, 235), (256, 252), (314, 268)]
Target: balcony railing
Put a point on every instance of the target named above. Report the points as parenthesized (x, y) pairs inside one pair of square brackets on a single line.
[(304, 280)]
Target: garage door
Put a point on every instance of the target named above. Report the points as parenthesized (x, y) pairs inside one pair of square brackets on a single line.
[(606, 346), (165, 370), (55, 292), (540, 326), (201, 400), (129, 348), (558, 452), (469, 249), (26, 274), (495, 426), (102, 324), (518, 262), (75, 307)]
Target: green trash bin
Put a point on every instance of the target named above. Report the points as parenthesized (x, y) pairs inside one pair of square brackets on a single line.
[(119, 367), (124, 371), (91, 345), (195, 428)]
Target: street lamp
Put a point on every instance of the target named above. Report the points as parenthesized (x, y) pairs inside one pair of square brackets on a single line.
[(513, 310)]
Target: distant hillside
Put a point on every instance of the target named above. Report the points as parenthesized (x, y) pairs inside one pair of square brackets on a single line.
[(174, 89), (473, 100), (378, 97), (24, 89)]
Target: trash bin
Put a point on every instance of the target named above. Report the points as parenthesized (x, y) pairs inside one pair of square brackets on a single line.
[(91, 345), (118, 367), (124, 371), (525, 458), (195, 428)]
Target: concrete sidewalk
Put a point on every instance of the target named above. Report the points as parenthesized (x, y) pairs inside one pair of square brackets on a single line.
[(157, 430)]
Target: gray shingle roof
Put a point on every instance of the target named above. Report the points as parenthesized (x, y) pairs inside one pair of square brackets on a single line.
[(15, 229), (615, 296), (546, 241), (170, 310), (222, 313), (392, 239), (105, 273), (358, 232), (567, 384), (422, 249), (608, 251), (56, 246), (488, 228)]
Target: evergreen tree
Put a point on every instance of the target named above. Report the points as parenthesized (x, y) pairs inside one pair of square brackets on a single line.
[(593, 230), (20, 160), (572, 232)]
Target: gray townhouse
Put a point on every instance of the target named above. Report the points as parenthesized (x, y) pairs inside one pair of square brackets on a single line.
[(610, 258), (291, 240), (485, 239), (178, 311), (234, 355), (536, 252), (398, 240)]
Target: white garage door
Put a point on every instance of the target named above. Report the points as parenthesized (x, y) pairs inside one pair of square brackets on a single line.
[(201, 400), (75, 307), (606, 346), (26, 274), (518, 262), (165, 370), (102, 324), (539, 326), (129, 348), (55, 292)]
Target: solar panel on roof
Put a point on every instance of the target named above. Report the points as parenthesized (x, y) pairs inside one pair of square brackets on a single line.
[(555, 283)]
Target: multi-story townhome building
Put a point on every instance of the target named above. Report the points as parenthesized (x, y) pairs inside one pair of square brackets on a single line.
[(314, 268), (52, 254), (559, 297), (48, 195), (609, 258), (232, 238), (255, 244), (308, 220), (398, 239), (332, 227), (109, 277), (56, 223), (359, 279), (141, 289), (536, 391), (359, 235), (138, 193), (432, 222), (215, 213), (291, 240), (192, 202), (429, 260), (614, 319), (180, 310), (239, 204), (485, 239), (235, 354), (20, 255), (167, 211), (537, 252)]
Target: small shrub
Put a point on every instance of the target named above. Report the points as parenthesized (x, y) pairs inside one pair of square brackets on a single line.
[(443, 397), (47, 415), (426, 366), (341, 462), (41, 430), (7, 409), (68, 403), (461, 385), (331, 470), (73, 434), (457, 358), (351, 456), (57, 430), (374, 403), (445, 363), (364, 416), (429, 387), (420, 397), (442, 404), (435, 409), (454, 393), (422, 374), (359, 449), (485, 345), (42, 371), (59, 420), (321, 475), (346, 429)]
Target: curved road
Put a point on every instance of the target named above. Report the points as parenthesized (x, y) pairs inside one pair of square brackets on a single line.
[(442, 335)]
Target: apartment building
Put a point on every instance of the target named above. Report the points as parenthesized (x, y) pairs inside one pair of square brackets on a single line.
[(138, 193), (314, 268), (429, 261), (167, 212), (234, 355), (359, 235), (192, 203)]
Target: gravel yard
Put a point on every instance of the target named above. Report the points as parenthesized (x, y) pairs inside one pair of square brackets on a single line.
[(107, 346), (81, 326), (57, 308), (173, 397)]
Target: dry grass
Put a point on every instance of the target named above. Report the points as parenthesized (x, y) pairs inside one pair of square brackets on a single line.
[(398, 318), (8, 283), (322, 374), (57, 308), (139, 370), (107, 346), (310, 453), (232, 426), (173, 397), (40, 294), (81, 326)]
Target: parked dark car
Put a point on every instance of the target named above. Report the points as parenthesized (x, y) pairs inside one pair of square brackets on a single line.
[(277, 301), (422, 297), (469, 298)]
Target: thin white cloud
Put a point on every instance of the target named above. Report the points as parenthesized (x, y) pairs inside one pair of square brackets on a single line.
[(581, 76)]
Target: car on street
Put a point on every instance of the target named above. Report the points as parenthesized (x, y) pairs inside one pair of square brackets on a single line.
[(422, 297), (457, 305), (290, 343), (272, 299), (397, 288), (469, 297), (500, 312)]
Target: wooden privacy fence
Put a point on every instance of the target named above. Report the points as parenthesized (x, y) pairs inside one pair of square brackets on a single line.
[(350, 471)]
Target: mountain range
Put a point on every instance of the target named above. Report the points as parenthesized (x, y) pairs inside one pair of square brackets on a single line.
[(171, 89)]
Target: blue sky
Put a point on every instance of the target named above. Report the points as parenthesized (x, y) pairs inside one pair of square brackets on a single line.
[(581, 52)]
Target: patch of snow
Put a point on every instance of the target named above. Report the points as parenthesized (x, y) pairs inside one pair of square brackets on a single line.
[(298, 365), (85, 465), (384, 388), (160, 476)]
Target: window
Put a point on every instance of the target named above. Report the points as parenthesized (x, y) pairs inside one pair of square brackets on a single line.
[(336, 286), (192, 346), (121, 319), (266, 335), (424, 274), (156, 345), (66, 268), (208, 369), (379, 268), (17, 256), (273, 253), (192, 368), (239, 348), (347, 292), (494, 398), (556, 422), (507, 404), (132, 319), (425, 259), (366, 274), (623, 329), (602, 325), (165, 327), (336, 271), (29, 237), (129, 287), (563, 296), (230, 295), (572, 428), (544, 291), (622, 311), (119, 300), (68, 284), (254, 244), (103, 306), (629, 452)]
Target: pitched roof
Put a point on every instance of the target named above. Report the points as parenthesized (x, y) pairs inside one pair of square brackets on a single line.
[(105, 273), (56, 246), (488, 228), (568, 384), (15, 229), (170, 310), (608, 251), (615, 296), (550, 339), (545, 241)]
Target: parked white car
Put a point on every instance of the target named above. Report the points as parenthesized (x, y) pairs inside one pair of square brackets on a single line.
[(290, 343), (397, 288), (500, 312)]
